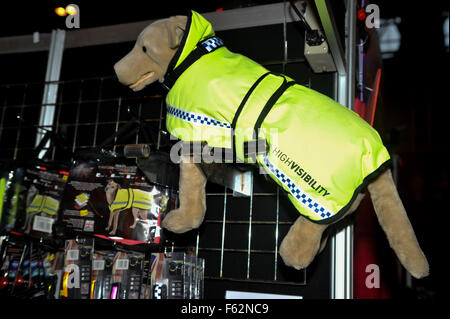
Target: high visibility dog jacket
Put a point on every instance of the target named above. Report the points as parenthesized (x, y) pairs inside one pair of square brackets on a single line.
[(321, 153), (130, 197), (43, 203)]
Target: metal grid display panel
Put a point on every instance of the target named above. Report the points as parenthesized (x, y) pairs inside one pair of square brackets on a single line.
[(241, 235), (20, 107)]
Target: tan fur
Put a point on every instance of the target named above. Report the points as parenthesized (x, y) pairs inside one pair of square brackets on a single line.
[(396, 225), (304, 239), (192, 198), (161, 40)]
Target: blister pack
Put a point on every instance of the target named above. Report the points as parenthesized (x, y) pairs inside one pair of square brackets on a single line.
[(76, 281), (114, 200), (127, 275), (102, 265), (176, 275), (32, 196)]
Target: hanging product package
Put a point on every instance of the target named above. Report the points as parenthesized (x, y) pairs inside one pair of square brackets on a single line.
[(176, 275), (31, 280), (11, 270), (156, 282), (27, 270), (10, 181), (32, 197), (127, 273), (53, 267), (102, 265), (115, 200), (76, 281)]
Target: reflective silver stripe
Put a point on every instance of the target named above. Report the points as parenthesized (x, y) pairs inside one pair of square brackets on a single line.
[(196, 118)]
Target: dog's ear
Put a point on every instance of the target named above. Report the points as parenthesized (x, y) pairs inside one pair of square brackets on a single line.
[(176, 26)]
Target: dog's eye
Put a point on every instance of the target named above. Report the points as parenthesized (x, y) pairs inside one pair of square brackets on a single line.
[(144, 49)]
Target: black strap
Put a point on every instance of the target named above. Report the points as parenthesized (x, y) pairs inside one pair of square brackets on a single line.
[(270, 103), (239, 110), (206, 46), (251, 148)]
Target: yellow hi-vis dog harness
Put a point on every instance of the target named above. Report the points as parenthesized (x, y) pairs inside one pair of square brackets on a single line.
[(321, 153), (130, 197), (43, 203)]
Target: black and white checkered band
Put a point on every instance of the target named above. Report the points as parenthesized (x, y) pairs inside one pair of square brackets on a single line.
[(300, 196), (196, 118), (212, 44), (158, 291)]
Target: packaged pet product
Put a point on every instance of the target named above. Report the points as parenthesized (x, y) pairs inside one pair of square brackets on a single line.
[(76, 282), (12, 264), (189, 274), (199, 278), (31, 277), (27, 270), (146, 290), (114, 200), (174, 266), (102, 265), (53, 267), (10, 181), (127, 275), (33, 198), (156, 281), (177, 275)]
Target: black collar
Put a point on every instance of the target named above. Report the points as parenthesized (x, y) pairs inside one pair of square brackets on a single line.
[(204, 47)]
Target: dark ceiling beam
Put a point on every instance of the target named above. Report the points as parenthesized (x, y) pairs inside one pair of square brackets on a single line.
[(127, 32)]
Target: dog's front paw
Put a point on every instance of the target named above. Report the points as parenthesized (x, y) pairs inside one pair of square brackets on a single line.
[(178, 221)]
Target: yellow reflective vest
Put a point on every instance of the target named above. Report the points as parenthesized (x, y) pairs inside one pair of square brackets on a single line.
[(130, 197), (321, 153), (43, 203)]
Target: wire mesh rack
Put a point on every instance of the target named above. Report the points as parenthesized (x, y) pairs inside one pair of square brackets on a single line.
[(238, 232), (240, 236)]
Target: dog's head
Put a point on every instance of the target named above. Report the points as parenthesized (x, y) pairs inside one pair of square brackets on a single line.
[(111, 190), (154, 49), (111, 187)]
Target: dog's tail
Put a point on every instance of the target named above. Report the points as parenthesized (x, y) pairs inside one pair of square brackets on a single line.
[(395, 223)]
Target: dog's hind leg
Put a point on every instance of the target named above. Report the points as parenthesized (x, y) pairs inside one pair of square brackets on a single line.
[(352, 208), (302, 243), (395, 223), (305, 239)]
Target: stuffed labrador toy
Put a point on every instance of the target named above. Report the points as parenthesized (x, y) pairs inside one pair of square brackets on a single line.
[(322, 154)]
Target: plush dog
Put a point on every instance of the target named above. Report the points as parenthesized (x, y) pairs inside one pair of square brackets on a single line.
[(325, 168), (121, 199)]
